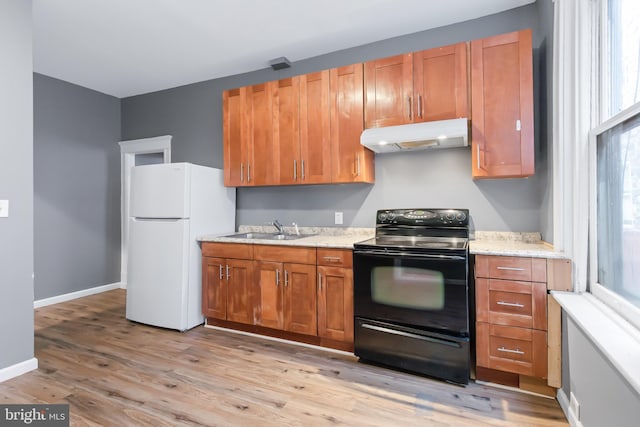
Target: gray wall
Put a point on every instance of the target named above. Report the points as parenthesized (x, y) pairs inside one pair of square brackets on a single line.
[(16, 183), (193, 115), (77, 187), (605, 397)]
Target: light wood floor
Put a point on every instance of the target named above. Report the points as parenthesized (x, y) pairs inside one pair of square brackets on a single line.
[(117, 373)]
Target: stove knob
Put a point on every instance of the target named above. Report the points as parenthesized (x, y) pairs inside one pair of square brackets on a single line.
[(382, 216), (460, 216), (391, 216), (450, 216)]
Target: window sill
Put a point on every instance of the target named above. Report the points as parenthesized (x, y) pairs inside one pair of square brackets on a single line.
[(616, 338)]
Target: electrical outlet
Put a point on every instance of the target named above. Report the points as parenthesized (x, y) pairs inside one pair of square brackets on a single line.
[(339, 218), (4, 208), (574, 405)]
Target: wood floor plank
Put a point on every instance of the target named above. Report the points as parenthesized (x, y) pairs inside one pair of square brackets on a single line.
[(119, 373)]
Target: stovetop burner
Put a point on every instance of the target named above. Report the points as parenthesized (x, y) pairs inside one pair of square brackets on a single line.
[(420, 230), (408, 242)]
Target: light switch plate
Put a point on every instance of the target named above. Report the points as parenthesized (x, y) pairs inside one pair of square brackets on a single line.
[(339, 218), (4, 208)]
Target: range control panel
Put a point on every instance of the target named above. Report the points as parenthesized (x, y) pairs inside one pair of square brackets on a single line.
[(431, 217)]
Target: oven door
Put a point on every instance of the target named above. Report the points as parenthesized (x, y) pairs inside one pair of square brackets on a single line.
[(428, 291)]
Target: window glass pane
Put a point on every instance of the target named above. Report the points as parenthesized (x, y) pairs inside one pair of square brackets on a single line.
[(618, 209), (624, 54)]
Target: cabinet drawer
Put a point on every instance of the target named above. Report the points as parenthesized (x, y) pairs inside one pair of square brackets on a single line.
[(335, 257), (511, 303), (292, 254), (506, 348), (227, 250), (512, 268)]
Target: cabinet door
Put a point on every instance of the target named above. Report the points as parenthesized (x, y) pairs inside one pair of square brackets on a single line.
[(259, 116), (235, 145), (388, 91), (214, 288), (300, 312), (502, 105), (286, 134), (239, 291), (315, 137), (335, 303), (350, 161), (440, 83), (268, 293)]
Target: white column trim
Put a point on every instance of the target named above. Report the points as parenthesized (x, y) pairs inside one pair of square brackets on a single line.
[(128, 150)]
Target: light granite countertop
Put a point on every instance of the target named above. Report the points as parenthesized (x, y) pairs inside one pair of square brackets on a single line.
[(483, 242), (320, 237), (512, 244)]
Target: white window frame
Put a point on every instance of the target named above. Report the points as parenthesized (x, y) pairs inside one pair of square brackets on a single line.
[(627, 310), (619, 304)]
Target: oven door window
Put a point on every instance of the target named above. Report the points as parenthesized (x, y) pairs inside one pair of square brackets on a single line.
[(426, 292), (408, 287)]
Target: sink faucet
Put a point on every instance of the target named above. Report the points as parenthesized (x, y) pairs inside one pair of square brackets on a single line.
[(278, 226)]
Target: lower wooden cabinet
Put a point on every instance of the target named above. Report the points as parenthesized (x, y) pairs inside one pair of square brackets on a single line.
[(297, 290), (239, 291), (512, 349), (227, 281), (300, 312), (517, 325), (335, 303), (268, 295), (214, 288)]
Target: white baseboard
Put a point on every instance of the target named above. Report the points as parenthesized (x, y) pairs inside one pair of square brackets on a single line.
[(18, 369), (123, 285), (563, 400), (73, 295)]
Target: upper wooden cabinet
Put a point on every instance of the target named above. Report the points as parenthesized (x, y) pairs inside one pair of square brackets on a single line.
[(350, 161), (300, 130), (315, 130), (417, 87), (236, 148), (502, 105), (259, 131)]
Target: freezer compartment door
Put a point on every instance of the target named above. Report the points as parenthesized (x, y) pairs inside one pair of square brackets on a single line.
[(157, 272), (160, 191)]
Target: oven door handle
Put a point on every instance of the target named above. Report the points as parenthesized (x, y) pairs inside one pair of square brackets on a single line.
[(409, 254), (410, 335)]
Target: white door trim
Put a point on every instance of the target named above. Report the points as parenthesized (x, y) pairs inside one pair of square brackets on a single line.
[(128, 151)]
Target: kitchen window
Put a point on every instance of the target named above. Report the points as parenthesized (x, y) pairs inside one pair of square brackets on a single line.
[(614, 145)]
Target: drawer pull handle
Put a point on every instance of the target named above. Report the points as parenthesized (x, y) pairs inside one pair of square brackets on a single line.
[(510, 304), (508, 350), (511, 268), (332, 258), (221, 272)]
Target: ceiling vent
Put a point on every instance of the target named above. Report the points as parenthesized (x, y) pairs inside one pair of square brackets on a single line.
[(280, 63)]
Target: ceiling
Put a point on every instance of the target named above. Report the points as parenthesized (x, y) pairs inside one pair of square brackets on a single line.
[(130, 47)]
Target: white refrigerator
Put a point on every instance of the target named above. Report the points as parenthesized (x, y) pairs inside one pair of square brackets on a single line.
[(171, 204)]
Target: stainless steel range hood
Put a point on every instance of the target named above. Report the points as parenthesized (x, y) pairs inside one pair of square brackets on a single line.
[(417, 136)]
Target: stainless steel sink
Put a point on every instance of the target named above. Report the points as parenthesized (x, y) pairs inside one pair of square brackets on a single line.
[(267, 236)]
